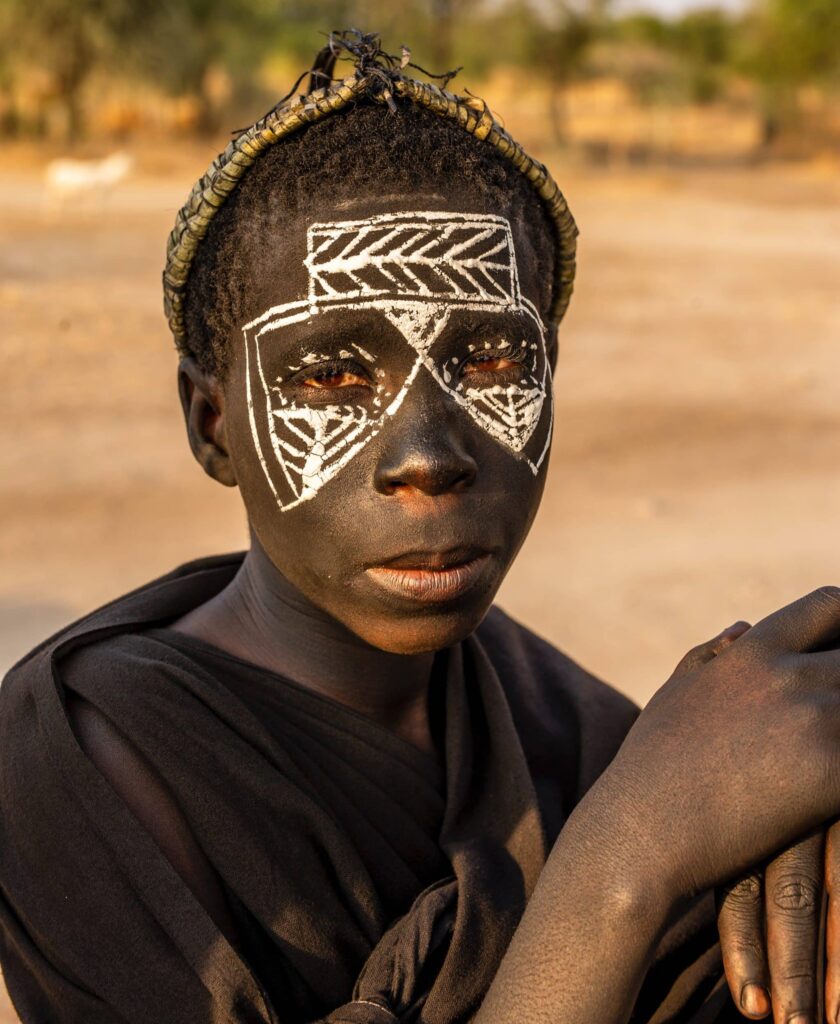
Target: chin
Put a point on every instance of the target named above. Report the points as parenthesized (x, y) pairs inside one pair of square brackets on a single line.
[(421, 634)]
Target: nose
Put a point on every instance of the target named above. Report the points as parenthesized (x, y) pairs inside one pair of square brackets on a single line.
[(424, 452)]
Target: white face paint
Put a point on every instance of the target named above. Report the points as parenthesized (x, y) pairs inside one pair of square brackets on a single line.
[(415, 269)]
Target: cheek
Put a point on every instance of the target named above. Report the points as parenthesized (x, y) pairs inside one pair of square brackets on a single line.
[(518, 417), (510, 413), (302, 539)]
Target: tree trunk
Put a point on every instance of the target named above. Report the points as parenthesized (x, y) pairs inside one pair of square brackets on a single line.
[(72, 75), (558, 109), (442, 18)]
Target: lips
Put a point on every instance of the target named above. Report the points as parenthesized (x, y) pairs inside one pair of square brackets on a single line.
[(431, 576)]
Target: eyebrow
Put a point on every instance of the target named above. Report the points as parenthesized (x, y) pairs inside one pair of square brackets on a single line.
[(328, 329), (471, 323)]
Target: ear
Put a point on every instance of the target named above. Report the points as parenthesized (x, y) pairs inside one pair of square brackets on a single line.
[(551, 345), (203, 402)]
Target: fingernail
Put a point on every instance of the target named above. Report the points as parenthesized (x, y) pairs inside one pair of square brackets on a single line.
[(800, 1018), (755, 1001)]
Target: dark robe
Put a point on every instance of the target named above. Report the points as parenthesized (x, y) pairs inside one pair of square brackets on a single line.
[(371, 883)]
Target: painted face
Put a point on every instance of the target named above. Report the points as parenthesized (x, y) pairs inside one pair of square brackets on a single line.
[(406, 387), (415, 270)]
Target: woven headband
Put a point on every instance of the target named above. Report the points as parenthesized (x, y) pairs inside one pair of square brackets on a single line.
[(380, 81)]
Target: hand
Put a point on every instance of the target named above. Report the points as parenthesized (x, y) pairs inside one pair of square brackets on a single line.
[(735, 757), (769, 925), (769, 919)]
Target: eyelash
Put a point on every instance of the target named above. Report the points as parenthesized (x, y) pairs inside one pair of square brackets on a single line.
[(320, 371), (331, 368), (515, 355)]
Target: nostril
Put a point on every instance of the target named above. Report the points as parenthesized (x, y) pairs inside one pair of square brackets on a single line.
[(464, 480), (392, 486), (425, 474)]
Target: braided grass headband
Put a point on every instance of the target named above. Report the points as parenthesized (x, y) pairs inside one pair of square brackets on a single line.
[(377, 76)]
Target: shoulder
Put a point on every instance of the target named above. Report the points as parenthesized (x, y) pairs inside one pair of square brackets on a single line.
[(163, 599), (562, 712), (150, 800), (95, 691)]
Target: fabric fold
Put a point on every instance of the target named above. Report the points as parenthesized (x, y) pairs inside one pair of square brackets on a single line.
[(370, 887)]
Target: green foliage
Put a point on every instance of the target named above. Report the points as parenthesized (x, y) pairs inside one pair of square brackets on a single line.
[(66, 39), (779, 44), (793, 42), (697, 50)]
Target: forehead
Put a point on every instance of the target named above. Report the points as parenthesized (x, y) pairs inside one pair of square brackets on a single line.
[(291, 250), (423, 255), (405, 259)]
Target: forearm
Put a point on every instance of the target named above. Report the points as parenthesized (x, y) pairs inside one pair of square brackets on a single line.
[(588, 935)]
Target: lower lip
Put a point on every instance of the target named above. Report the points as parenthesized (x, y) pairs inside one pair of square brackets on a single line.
[(430, 585)]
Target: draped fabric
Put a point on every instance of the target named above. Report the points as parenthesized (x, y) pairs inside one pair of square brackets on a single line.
[(370, 882)]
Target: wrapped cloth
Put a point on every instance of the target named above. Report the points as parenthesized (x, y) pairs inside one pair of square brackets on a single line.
[(370, 883)]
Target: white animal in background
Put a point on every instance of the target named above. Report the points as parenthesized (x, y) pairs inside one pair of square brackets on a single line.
[(88, 182)]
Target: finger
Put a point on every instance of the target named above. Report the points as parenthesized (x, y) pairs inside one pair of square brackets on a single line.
[(740, 921), (809, 623), (703, 653), (832, 925), (793, 906)]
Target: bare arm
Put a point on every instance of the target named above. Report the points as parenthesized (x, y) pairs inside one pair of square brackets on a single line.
[(729, 763), (588, 936)]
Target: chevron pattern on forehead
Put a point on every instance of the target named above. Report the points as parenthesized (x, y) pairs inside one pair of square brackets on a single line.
[(424, 255)]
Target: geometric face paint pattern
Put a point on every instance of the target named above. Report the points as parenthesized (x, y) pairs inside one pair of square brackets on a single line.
[(415, 269)]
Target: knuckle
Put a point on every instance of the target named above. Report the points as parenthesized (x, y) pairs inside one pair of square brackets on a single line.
[(825, 600), (744, 947), (828, 595), (794, 894), (743, 894), (795, 971), (694, 658)]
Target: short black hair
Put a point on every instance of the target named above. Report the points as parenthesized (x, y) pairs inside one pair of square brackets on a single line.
[(363, 150)]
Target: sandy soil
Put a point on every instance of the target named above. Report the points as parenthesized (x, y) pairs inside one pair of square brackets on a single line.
[(696, 470)]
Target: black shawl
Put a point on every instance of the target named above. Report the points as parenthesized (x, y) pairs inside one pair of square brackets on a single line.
[(373, 886)]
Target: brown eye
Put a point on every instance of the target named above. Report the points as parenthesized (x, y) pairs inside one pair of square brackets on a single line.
[(487, 364), (336, 379)]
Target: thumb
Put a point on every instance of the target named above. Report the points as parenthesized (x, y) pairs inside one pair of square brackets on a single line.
[(704, 653)]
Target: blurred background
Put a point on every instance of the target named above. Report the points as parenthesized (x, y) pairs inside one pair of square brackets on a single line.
[(696, 471)]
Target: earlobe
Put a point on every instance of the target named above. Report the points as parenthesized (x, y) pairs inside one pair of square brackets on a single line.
[(203, 403)]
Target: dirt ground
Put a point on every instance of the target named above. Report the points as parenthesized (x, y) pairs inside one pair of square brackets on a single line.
[(695, 478)]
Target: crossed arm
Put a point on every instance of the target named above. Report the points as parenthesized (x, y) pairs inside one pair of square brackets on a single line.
[(640, 842)]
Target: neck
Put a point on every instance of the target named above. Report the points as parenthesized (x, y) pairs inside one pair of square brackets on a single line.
[(262, 618)]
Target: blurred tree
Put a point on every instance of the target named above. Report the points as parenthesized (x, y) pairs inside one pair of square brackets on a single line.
[(182, 44), (8, 111), (68, 39), (687, 59), (789, 44), (560, 46), (703, 40), (177, 45)]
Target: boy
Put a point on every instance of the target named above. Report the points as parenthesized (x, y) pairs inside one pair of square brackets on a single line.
[(322, 780)]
